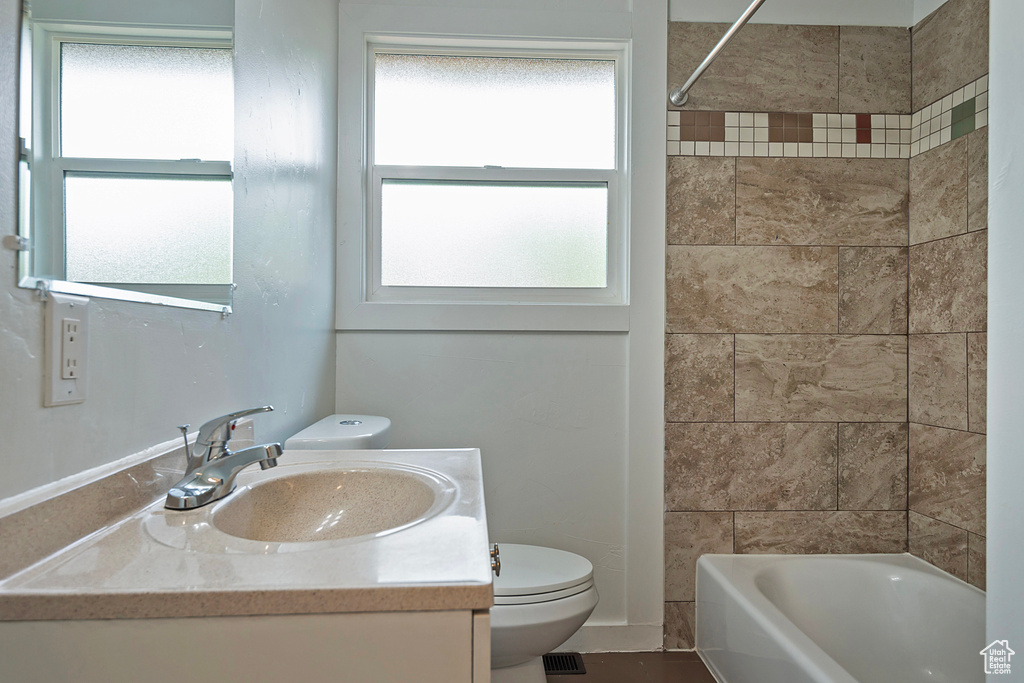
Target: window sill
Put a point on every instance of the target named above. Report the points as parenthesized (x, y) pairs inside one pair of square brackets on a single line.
[(484, 317)]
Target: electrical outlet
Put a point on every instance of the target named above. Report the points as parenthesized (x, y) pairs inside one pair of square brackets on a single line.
[(67, 351)]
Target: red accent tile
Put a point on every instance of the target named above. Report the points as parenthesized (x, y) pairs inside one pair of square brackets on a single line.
[(863, 121), (863, 134)]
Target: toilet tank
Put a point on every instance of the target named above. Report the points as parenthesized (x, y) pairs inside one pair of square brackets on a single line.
[(343, 432)]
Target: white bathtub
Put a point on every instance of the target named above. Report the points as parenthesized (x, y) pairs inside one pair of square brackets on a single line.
[(837, 619)]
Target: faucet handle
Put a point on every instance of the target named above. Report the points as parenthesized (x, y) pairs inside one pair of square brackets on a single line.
[(218, 430)]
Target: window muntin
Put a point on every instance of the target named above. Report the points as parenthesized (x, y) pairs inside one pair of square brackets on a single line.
[(491, 134)]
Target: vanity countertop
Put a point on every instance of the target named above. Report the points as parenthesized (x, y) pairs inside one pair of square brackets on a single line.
[(164, 563)]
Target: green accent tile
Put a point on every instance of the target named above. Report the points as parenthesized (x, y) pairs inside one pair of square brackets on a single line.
[(961, 128), (962, 111)]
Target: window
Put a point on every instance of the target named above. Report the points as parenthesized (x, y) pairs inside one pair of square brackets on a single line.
[(495, 174), (131, 161)]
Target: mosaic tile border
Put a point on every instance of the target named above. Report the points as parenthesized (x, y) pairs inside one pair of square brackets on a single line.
[(829, 135)]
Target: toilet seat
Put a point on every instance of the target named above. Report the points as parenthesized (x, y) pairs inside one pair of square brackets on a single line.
[(532, 574)]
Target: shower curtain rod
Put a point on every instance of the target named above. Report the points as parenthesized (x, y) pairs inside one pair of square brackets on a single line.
[(679, 95)]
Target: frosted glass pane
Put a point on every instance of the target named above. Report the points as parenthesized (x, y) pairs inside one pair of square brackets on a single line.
[(452, 234), (147, 230), (477, 111), (136, 102)]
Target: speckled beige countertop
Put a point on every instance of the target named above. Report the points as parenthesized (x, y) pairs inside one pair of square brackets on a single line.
[(163, 563)]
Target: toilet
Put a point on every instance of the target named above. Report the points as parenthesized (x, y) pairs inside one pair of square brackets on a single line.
[(343, 433), (542, 595), (541, 598)]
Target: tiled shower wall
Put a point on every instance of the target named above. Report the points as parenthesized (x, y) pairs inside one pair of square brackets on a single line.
[(796, 283)]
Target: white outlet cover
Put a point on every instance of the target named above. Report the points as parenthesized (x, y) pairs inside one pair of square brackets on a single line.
[(57, 390)]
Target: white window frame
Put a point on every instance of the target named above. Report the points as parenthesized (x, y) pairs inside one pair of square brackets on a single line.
[(363, 303), (49, 166)]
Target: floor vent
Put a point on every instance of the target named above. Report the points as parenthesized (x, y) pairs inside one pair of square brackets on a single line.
[(564, 663)]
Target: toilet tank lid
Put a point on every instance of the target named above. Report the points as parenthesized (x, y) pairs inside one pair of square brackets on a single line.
[(333, 427), (532, 569)]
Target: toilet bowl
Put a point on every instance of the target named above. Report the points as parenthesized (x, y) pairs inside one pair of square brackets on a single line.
[(541, 598)]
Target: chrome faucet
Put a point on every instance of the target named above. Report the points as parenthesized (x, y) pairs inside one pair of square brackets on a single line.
[(212, 468)]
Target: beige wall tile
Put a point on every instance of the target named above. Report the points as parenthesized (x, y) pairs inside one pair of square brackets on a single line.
[(857, 202), (767, 67), (977, 179), (699, 377), (874, 69), (938, 192), (873, 466), (821, 378), (977, 380), (680, 625), (938, 379), (821, 532), (976, 560), (688, 535), (752, 289), (947, 476), (944, 545), (700, 200), (873, 290), (950, 49), (948, 284), (752, 466)]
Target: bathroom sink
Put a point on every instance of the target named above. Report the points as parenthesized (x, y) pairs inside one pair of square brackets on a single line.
[(333, 503)]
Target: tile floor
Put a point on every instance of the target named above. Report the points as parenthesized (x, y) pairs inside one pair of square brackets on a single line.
[(640, 667)]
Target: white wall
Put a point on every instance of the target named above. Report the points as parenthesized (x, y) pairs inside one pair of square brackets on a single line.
[(1005, 333), (152, 368), (570, 425), (827, 12)]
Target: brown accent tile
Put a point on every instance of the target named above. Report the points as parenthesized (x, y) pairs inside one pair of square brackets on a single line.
[(948, 284), (680, 625), (790, 135), (938, 192), (977, 179), (768, 67), (750, 466), (805, 120), (775, 120), (860, 202), (702, 118), (776, 134), (821, 378), (717, 134), (977, 381), (717, 119), (699, 378), (938, 380), (821, 532), (873, 466), (950, 49), (947, 476), (688, 535), (752, 289), (702, 133), (701, 200), (941, 544), (687, 118), (686, 133), (976, 560), (790, 120), (863, 136), (874, 69), (805, 135), (873, 290)]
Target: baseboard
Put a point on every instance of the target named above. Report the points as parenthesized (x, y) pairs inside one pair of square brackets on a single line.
[(615, 638)]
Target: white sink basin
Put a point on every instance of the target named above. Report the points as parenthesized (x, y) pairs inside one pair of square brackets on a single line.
[(330, 504)]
